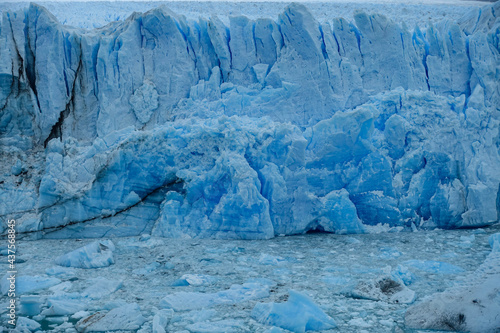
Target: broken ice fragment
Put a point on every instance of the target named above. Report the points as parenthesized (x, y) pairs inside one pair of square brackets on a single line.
[(94, 255), (125, 318), (299, 314), (384, 288)]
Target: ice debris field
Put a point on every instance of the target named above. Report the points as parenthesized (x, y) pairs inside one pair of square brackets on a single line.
[(404, 282), (133, 151)]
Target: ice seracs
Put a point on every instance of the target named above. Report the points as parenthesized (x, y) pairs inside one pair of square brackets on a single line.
[(187, 127)]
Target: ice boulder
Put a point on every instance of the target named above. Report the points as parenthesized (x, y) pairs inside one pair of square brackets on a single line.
[(124, 318), (384, 288), (24, 324), (195, 280), (161, 320), (298, 314), (94, 255), (65, 304)]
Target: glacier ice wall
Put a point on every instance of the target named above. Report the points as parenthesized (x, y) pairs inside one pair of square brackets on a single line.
[(191, 128)]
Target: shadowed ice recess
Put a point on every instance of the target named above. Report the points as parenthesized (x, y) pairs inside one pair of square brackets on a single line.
[(193, 128)]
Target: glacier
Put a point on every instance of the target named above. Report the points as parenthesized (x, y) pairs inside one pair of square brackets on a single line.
[(250, 129)]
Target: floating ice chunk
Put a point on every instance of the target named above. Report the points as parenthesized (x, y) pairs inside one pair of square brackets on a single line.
[(30, 305), (63, 305), (435, 267), (24, 323), (184, 301), (125, 318), (80, 315), (298, 314), (198, 279), (404, 274), (161, 320), (385, 289), (268, 259), (352, 240), (94, 255), (27, 283), (227, 325), (101, 287)]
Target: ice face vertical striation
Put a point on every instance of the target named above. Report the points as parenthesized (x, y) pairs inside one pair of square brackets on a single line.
[(190, 128)]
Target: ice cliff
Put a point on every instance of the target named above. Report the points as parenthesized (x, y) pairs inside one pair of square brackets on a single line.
[(189, 128)]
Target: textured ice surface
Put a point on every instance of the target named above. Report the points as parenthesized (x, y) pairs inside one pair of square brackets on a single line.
[(248, 127)]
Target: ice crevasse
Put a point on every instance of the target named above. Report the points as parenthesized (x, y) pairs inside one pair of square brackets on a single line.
[(190, 128)]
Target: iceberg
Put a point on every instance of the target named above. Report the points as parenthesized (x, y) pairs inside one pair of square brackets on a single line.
[(247, 128)]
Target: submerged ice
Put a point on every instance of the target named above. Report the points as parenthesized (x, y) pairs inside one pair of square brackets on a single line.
[(190, 128)]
